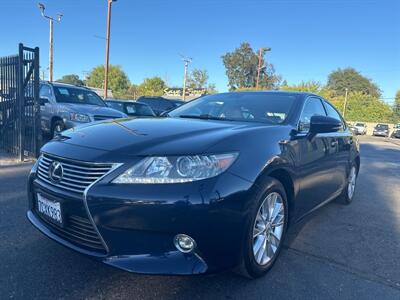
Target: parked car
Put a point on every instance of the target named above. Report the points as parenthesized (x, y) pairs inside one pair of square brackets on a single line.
[(131, 108), (360, 128), (160, 104), (381, 130), (211, 187), (64, 106), (396, 131)]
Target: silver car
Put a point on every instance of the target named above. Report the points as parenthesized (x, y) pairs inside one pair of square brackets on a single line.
[(64, 106)]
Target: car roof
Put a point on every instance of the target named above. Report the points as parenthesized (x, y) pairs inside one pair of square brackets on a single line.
[(271, 92), (125, 101), (61, 84)]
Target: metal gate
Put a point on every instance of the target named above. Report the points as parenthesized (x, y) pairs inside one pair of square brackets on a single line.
[(20, 133)]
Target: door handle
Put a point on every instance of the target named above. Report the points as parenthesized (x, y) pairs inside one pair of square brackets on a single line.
[(334, 143)]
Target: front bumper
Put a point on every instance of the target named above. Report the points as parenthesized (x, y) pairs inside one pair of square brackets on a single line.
[(136, 224), (381, 133)]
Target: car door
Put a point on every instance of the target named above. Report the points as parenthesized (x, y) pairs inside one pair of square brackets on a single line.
[(343, 140), (46, 106), (314, 160)]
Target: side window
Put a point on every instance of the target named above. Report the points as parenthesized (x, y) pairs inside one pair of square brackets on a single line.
[(45, 92), (312, 107), (333, 113)]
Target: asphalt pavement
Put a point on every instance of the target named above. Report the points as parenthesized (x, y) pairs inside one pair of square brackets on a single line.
[(340, 251)]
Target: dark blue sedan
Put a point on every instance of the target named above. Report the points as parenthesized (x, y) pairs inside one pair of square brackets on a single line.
[(211, 186)]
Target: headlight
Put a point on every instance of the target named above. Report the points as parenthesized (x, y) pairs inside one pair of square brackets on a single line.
[(176, 169), (79, 118)]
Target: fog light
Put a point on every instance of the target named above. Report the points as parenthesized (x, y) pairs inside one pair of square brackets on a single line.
[(184, 243)]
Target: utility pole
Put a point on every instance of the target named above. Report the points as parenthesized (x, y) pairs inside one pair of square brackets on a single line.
[(345, 101), (51, 21), (109, 2), (186, 61), (260, 55)]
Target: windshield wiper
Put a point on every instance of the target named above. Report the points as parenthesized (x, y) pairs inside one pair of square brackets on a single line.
[(205, 117)]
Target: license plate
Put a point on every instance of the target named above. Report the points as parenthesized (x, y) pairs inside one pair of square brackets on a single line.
[(50, 209)]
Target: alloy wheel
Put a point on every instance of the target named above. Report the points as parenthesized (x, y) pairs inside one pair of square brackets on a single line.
[(351, 185), (268, 228)]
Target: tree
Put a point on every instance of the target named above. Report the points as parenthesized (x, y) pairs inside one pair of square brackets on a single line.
[(71, 79), (198, 79), (396, 108), (351, 79), (118, 81), (241, 68), (153, 86)]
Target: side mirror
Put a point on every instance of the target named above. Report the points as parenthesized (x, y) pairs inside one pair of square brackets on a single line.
[(43, 101), (324, 124)]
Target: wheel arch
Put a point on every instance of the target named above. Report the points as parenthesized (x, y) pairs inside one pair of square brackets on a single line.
[(286, 178)]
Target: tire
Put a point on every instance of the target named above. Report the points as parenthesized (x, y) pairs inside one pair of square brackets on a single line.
[(57, 128), (351, 183), (252, 265)]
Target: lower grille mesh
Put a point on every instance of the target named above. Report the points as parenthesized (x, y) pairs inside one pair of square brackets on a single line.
[(79, 231)]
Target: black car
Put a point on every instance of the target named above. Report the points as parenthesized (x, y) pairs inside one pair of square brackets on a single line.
[(131, 108), (160, 104), (212, 186)]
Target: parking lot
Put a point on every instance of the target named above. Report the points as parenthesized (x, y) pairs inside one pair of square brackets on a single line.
[(340, 251)]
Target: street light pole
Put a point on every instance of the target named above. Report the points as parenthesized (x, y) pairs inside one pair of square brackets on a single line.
[(51, 22), (187, 61), (51, 51), (109, 2), (260, 54)]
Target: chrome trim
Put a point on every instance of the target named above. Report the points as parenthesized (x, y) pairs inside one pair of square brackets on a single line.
[(113, 168), (78, 175)]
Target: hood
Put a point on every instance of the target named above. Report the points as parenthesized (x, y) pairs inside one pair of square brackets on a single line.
[(93, 110), (156, 136)]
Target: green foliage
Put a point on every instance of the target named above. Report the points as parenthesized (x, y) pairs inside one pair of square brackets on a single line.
[(153, 86), (198, 79), (360, 106), (396, 108), (351, 79), (241, 68), (118, 81), (71, 79), (211, 89), (304, 86)]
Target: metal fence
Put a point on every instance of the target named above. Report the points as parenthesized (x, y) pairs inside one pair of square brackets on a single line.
[(20, 133)]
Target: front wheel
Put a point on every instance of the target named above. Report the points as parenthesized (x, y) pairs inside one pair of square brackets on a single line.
[(266, 230)]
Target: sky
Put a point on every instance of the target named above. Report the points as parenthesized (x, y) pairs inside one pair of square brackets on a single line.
[(309, 38)]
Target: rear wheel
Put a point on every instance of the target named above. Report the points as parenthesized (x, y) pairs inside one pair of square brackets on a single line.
[(348, 191), (266, 230)]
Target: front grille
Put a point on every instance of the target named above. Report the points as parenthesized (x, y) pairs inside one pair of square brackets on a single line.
[(76, 176), (79, 231), (100, 118)]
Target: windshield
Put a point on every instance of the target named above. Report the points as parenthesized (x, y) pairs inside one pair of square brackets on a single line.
[(77, 96), (249, 107), (360, 124), (382, 126)]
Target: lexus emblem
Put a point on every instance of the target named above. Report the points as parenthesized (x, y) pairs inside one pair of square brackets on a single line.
[(56, 171)]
